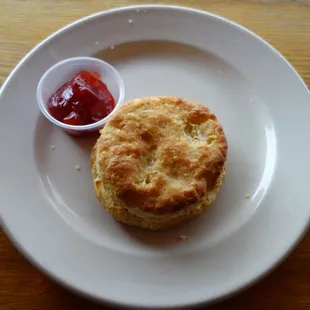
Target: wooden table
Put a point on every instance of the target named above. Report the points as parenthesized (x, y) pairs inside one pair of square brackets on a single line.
[(285, 24)]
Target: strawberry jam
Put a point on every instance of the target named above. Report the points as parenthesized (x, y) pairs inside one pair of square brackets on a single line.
[(83, 100)]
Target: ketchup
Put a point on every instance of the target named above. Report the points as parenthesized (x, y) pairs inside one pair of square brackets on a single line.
[(83, 100)]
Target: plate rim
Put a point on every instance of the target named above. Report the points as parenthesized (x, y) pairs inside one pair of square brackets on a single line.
[(63, 282)]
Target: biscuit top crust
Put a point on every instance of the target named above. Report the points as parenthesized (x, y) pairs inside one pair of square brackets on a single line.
[(160, 154)]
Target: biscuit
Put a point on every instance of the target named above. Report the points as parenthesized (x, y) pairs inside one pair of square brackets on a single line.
[(159, 161)]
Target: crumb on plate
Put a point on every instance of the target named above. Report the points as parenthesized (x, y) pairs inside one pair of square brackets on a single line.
[(77, 167), (182, 238)]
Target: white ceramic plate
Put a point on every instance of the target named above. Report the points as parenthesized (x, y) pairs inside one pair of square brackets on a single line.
[(51, 214)]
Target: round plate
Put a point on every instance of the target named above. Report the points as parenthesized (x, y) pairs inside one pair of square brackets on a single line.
[(50, 212)]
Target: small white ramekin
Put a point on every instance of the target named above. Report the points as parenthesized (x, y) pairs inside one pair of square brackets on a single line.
[(62, 72)]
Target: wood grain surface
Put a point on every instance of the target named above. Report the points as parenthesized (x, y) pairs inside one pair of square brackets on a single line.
[(285, 24)]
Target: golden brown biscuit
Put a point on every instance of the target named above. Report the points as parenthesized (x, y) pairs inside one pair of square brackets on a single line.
[(159, 161)]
